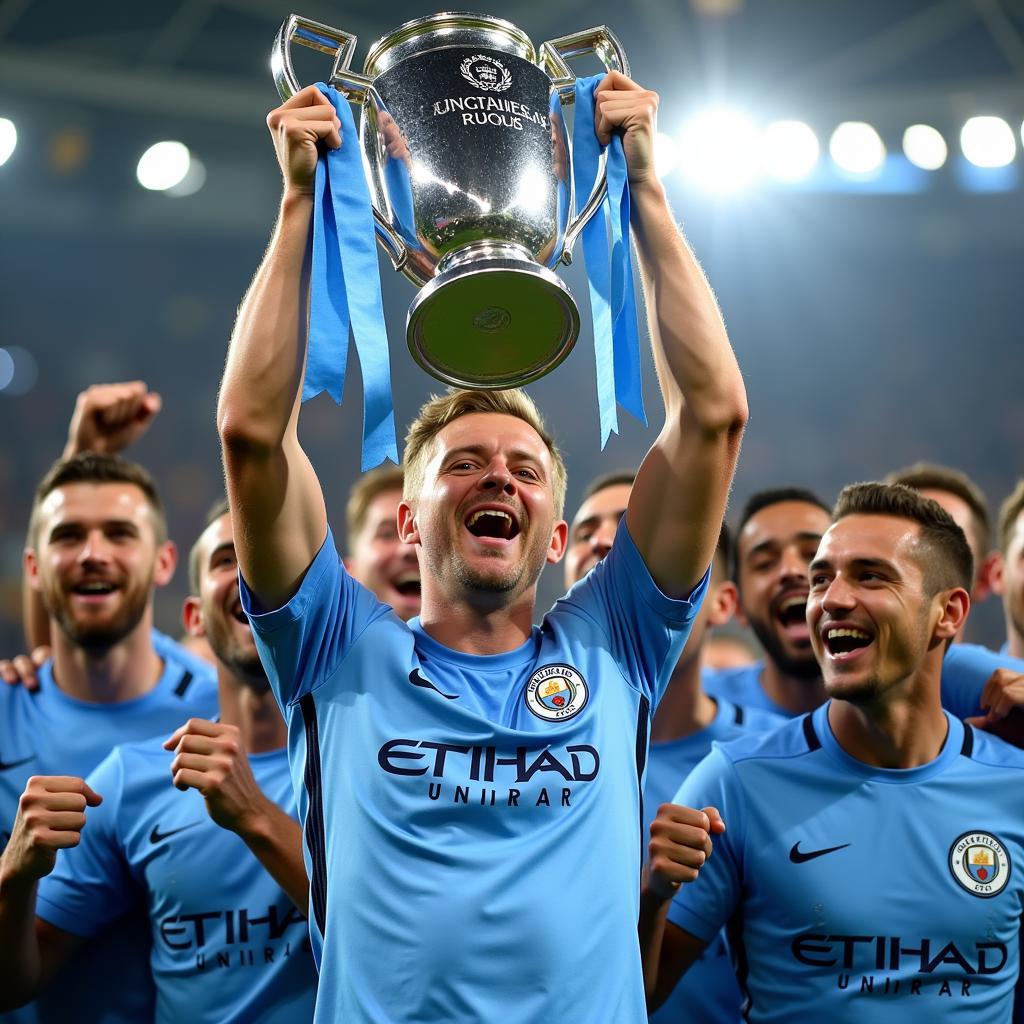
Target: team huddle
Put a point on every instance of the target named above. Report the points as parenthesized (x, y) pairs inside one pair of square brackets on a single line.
[(378, 788)]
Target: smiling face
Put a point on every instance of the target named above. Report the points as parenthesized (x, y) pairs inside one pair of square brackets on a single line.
[(381, 561), (872, 621), (593, 530), (773, 551), (484, 518), (96, 560), (216, 611), (1011, 582)]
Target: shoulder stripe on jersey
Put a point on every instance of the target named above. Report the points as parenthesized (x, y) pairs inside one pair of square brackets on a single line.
[(813, 743), (643, 719), (314, 831), (738, 717), (967, 747), (184, 683)]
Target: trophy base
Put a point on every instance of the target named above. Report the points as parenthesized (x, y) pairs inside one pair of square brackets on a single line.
[(491, 322)]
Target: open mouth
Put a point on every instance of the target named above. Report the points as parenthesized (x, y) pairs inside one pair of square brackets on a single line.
[(93, 588), (845, 642), (791, 615), (408, 585), (492, 523)]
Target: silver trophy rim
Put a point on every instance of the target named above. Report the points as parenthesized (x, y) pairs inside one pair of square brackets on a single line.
[(444, 19)]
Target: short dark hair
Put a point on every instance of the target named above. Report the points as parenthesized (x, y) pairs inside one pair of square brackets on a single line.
[(1008, 513), (98, 468), (930, 476), (219, 508), (617, 478), (945, 554), (764, 499)]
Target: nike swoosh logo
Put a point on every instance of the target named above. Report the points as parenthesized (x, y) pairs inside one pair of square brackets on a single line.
[(156, 836), (7, 765), (797, 856), (417, 680)]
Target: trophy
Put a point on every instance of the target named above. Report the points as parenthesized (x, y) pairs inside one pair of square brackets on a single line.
[(467, 161)]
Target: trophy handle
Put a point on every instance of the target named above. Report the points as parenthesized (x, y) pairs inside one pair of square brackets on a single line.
[(555, 53), (355, 87)]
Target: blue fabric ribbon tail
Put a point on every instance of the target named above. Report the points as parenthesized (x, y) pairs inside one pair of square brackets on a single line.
[(345, 291), (609, 269)]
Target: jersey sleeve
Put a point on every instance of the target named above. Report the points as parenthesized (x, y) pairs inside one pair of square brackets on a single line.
[(704, 906), (965, 671), (302, 642), (645, 628), (92, 884)]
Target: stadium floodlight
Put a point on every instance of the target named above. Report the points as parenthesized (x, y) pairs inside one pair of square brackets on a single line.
[(789, 150), (8, 139), (666, 155), (925, 147), (718, 150), (988, 141), (163, 165), (857, 148)]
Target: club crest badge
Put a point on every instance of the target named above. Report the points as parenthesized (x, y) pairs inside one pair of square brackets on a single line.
[(556, 693), (487, 73), (980, 864)]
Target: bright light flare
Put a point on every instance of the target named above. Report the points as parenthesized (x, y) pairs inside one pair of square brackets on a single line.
[(163, 165), (789, 150), (857, 148), (8, 139), (925, 147), (988, 142), (718, 150), (666, 155)]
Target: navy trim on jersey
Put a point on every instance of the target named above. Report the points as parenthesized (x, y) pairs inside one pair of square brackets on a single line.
[(967, 747), (738, 716), (314, 830), (740, 964), (813, 743), (182, 688), (643, 720)]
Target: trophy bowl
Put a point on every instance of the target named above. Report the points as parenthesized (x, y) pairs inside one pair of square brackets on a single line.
[(468, 164)]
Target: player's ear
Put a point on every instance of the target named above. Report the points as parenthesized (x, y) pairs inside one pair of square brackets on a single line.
[(192, 617), (30, 561), (953, 608), (991, 576), (166, 563), (559, 541), (724, 602), (408, 526)]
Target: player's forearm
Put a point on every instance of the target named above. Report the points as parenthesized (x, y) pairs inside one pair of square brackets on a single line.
[(267, 352), (276, 840), (695, 362), (651, 931), (19, 946)]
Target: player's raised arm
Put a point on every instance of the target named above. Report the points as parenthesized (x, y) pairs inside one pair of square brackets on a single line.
[(679, 498), (276, 502)]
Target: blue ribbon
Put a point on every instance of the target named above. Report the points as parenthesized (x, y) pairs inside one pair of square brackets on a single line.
[(345, 288), (609, 271)]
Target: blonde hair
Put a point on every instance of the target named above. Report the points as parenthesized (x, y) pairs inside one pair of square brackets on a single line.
[(440, 410), (362, 494)]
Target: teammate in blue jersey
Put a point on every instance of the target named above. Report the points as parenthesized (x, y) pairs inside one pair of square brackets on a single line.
[(685, 725), (776, 537), (1008, 577), (870, 863), (228, 944), (97, 548), (477, 775)]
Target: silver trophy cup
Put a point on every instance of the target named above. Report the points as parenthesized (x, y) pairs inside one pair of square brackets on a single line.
[(468, 164)]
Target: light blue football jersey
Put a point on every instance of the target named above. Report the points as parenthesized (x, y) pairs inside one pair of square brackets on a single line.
[(965, 671), (48, 732), (855, 893), (228, 946), (708, 993), (485, 810)]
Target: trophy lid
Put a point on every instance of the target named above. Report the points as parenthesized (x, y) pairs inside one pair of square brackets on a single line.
[(451, 28)]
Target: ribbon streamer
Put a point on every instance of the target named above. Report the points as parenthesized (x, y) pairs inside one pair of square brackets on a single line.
[(345, 291), (609, 269)]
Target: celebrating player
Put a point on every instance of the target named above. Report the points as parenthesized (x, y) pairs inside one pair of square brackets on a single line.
[(478, 775)]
